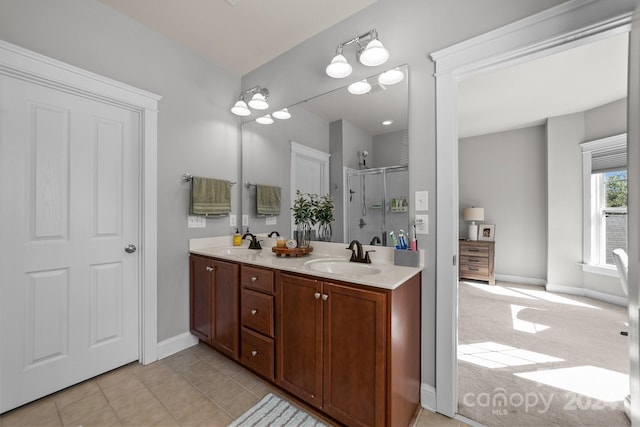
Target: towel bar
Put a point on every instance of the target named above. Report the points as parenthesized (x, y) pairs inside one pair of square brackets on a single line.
[(187, 177)]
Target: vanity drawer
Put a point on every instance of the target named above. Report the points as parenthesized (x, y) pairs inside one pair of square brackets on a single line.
[(256, 352), (256, 311), (256, 278), (473, 261), (478, 251)]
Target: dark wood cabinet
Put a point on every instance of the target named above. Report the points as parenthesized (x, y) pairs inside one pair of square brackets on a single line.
[(214, 301), (335, 347)]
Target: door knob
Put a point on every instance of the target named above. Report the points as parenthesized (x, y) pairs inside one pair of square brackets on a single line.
[(130, 249)]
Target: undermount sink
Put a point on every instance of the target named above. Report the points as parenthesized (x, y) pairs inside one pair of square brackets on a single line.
[(243, 253), (341, 267)]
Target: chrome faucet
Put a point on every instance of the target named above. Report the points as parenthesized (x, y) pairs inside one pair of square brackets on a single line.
[(255, 243), (357, 253)]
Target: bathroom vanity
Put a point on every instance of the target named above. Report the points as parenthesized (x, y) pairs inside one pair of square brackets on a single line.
[(342, 337)]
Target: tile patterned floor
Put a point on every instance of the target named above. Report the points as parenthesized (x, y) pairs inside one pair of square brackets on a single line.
[(195, 387)]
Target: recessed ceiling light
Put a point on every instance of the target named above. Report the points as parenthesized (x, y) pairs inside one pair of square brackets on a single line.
[(387, 122)]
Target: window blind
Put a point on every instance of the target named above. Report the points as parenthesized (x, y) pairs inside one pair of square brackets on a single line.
[(610, 159)]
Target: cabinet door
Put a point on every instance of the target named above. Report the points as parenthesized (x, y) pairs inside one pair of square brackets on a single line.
[(355, 343), (299, 352), (225, 320), (200, 287)]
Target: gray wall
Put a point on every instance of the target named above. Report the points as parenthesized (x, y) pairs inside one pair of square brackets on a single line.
[(266, 159), (505, 174), (196, 132), (390, 149), (410, 29)]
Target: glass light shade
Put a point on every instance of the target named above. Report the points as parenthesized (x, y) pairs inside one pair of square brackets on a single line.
[(391, 77), (339, 68), (265, 120), (359, 88), (374, 54), (387, 122), (282, 114), (259, 102), (240, 109)]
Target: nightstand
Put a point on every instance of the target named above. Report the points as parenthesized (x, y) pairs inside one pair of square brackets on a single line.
[(476, 260)]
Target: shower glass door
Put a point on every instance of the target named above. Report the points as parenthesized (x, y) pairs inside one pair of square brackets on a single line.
[(376, 200)]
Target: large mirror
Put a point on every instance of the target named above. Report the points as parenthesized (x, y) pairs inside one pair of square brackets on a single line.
[(353, 147)]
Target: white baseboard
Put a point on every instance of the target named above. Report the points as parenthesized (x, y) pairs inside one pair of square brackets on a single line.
[(521, 280), (600, 296), (428, 397), (175, 344)]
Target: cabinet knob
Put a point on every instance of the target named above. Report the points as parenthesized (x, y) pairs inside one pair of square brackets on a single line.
[(254, 353), (316, 295), (325, 297), (254, 311), (254, 278), (210, 269)]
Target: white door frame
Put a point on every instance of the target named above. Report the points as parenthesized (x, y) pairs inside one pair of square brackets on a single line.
[(32, 67), (576, 22)]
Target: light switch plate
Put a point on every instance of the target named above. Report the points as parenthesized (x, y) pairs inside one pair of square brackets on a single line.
[(245, 220), (233, 220), (422, 224), (422, 200), (271, 220), (196, 222)]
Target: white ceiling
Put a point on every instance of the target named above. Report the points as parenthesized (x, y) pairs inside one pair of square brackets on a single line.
[(246, 35), (239, 35), (574, 80)]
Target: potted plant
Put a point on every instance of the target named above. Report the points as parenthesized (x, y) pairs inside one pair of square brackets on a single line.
[(324, 217), (304, 217)]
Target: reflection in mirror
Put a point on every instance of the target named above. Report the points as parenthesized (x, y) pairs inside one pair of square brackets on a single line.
[(367, 176)]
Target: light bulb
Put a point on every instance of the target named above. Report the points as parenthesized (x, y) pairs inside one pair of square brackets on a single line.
[(282, 114), (259, 102), (391, 77), (240, 108), (265, 120)]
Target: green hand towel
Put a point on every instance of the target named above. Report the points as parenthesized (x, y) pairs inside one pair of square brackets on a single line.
[(210, 196), (268, 200)]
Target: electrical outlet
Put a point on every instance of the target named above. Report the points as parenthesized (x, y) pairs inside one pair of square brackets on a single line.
[(233, 220), (271, 220), (422, 200), (245, 220), (422, 224), (196, 222)]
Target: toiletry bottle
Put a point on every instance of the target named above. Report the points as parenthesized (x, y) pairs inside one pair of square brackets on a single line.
[(237, 238)]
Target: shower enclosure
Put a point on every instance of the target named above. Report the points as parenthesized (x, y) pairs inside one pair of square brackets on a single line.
[(376, 203)]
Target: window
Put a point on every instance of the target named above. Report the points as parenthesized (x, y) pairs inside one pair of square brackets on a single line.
[(605, 202)]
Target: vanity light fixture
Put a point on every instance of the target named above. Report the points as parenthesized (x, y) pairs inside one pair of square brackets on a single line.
[(371, 55), (282, 114), (265, 120), (391, 77), (360, 87), (258, 101)]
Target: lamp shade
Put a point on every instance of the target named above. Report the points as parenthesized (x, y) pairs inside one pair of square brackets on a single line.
[(259, 102), (391, 77), (265, 120), (283, 114), (374, 54), (240, 109), (339, 67), (473, 214), (359, 88)]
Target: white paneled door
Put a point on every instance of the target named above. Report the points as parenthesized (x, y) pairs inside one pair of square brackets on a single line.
[(69, 226)]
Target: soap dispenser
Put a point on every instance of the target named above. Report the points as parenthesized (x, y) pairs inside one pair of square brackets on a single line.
[(237, 238)]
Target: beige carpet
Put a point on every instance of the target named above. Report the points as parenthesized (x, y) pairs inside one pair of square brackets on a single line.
[(527, 357)]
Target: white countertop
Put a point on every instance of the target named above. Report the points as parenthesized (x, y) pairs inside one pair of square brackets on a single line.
[(390, 276)]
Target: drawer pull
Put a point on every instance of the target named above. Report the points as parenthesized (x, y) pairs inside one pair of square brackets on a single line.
[(325, 297), (474, 260), (254, 353), (316, 295), (254, 312), (254, 278), (473, 250), (474, 268), (210, 269)]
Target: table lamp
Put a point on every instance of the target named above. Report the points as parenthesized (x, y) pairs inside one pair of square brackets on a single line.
[(473, 215)]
